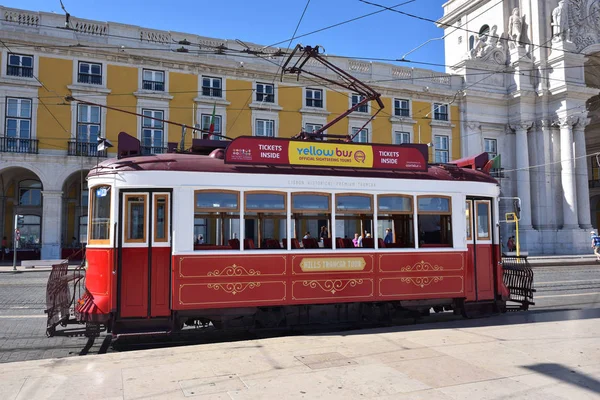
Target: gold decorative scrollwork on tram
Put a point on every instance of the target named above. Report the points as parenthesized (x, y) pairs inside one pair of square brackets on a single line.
[(233, 288), (422, 266), (422, 281), (234, 270), (333, 286)]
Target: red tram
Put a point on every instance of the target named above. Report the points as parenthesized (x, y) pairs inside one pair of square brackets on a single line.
[(265, 232)]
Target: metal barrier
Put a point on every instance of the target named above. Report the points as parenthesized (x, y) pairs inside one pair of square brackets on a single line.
[(59, 299), (518, 278)]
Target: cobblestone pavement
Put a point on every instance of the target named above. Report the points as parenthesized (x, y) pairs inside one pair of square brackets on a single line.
[(23, 322)]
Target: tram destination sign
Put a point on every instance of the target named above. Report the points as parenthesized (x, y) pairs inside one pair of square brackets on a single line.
[(268, 151)]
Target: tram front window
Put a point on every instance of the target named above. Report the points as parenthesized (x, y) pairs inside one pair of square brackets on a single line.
[(354, 221), (310, 213), (435, 222), (216, 220), (265, 220), (395, 225), (100, 215)]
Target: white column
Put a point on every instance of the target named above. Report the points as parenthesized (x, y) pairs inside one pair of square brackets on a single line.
[(51, 224), (568, 175), (555, 170), (523, 181), (547, 215), (581, 171)]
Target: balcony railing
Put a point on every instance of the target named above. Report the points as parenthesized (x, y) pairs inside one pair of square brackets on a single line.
[(25, 72), (149, 150), (154, 85), (90, 79), (15, 145), (212, 92), (85, 149)]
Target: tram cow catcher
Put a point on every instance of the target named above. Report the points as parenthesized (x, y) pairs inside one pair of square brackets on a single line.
[(270, 233)]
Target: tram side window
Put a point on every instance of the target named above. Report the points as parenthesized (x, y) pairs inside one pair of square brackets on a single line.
[(161, 218), (468, 217), (100, 215), (395, 225), (354, 221), (265, 219), (435, 221), (135, 218), (483, 220), (311, 215), (216, 220)]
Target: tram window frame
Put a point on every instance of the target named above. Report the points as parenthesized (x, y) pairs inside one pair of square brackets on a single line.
[(389, 215), (489, 218), (260, 214), (445, 219), (127, 227), (220, 214), (166, 222), (469, 218), (313, 214), (357, 214), (91, 224)]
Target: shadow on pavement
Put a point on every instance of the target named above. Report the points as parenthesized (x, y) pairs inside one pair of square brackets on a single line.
[(567, 375)]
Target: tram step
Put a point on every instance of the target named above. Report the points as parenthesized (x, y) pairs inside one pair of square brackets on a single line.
[(148, 333)]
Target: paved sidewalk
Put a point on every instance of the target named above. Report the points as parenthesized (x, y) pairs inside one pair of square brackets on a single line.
[(552, 355)]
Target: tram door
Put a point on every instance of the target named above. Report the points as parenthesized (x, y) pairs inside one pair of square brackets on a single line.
[(145, 254), (480, 271)]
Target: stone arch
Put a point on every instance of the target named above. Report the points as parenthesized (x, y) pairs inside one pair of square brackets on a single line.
[(74, 212), (20, 195)]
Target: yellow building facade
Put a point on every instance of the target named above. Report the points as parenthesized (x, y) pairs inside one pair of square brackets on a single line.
[(64, 88)]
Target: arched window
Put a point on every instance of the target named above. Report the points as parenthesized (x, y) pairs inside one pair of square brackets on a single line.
[(471, 42), (30, 193)]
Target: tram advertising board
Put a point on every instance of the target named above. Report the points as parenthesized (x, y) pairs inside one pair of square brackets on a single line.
[(272, 151)]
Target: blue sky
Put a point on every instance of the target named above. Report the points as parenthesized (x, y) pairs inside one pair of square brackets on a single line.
[(384, 35)]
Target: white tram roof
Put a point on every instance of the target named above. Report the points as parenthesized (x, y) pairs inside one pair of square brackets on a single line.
[(181, 162)]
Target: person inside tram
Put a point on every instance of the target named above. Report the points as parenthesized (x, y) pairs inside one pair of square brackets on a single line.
[(388, 236), (324, 234), (430, 228), (306, 235), (200, 239), (355, 241)]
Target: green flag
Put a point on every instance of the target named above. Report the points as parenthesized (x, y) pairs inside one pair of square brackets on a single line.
[(496, 162)]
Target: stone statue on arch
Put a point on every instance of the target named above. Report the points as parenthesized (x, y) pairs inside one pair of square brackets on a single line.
[(515, 29), (560, 22)]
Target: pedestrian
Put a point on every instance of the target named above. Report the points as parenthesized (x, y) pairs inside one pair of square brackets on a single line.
[(596, 244), (511, 243), (4, 248)]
